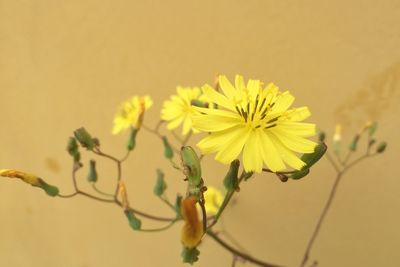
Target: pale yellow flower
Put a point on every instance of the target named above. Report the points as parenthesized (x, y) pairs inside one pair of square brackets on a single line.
[(256, 120), (213, 200), (130, 113), (179, 109)]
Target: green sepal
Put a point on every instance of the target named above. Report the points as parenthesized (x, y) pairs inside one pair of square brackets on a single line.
[(309, 159), (84, 138), (191, 163), (354, 143), (160, 185), (177, 206), (190, 255), (231, 178), (132, 139), (168, 152), (381, 147), (134, 222), (49, 189), (299, 174), (372, 129), (92, 175), (198, 103)]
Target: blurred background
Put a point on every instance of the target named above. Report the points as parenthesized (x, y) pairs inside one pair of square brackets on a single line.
[(67, 64)]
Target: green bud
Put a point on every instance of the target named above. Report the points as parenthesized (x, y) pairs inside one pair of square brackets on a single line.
[(372, 129), (354, 143), (132, 139), (321, 136), (299, 174), (84, 138), (168, 152), (160, 186), (311, 158), (134, 222), (49, 189), (190, 255), (92, 176), (381, 147), (72, 146), (231, 178)]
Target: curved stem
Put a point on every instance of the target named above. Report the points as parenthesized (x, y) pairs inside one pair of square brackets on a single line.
[(239, 253)]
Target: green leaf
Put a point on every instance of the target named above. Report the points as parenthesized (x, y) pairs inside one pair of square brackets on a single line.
[(372, 129), (84, 138), (190, 255), (231, 178), (92, 175), (168, 152), (381, 147), (132, 139), (354, 143), (160, 185), (134, 222)]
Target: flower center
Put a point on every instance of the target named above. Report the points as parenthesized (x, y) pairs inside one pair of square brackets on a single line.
[(255, 113)]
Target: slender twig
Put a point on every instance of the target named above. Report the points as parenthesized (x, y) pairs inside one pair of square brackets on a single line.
[(238, 253), (177, 137), (187, 138), (332, 161), (166, 201), (158, 229), (101, 192), (328, 204)]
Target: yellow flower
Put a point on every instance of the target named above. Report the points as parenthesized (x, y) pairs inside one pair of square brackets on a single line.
[(255, 119), (192, 230), (179, 108), (213, 200), (130, 113)]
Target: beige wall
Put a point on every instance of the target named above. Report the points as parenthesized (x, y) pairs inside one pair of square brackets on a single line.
[(64, 64)]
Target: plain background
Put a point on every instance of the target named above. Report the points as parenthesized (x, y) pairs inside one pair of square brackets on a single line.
[(66, 64)]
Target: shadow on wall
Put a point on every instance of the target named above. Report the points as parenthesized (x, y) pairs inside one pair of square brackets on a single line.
[(370, 102)]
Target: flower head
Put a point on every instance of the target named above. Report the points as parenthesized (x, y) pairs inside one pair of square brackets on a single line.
[(179, 109), (256, 120), (130, 113)]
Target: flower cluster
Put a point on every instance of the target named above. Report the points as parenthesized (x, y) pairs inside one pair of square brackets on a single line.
[(252, 119)]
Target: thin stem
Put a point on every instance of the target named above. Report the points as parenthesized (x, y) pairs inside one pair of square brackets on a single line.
[(187, 138), (158, 229), (238, 253), (166, 201), (101, 192), (286, 172), (228, 198), (321, 219), (95, 197), (177, 137), (332, 194), (67, 196), (332, 161), (119, 171)]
